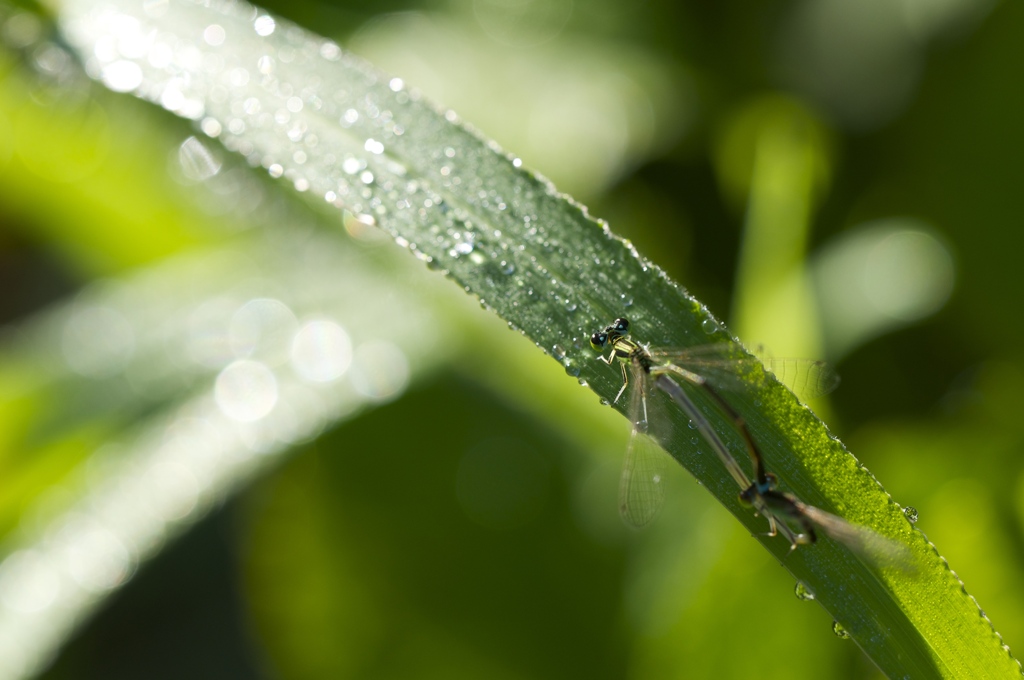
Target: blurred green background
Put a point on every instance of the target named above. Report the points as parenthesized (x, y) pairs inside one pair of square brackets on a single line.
[(837, 179)]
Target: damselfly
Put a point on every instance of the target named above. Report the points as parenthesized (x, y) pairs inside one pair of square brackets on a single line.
[(640, 489)]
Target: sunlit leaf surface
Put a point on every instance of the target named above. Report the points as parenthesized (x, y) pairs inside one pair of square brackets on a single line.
[(355, 141)]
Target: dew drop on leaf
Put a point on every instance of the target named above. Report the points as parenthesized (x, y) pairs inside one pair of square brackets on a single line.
[(802, 592)]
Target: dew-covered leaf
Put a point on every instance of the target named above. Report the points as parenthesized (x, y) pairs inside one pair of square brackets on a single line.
[(370, 148)]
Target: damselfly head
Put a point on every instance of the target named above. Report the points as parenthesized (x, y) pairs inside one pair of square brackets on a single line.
[(612, 332)]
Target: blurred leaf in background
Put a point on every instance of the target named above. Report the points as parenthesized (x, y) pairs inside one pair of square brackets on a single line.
[(874, 146)]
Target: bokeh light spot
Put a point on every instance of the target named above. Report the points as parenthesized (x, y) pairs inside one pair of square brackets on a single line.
[(122, 75), (908, 275), (380, 370), (28, 582), (264, 25), (196, 160), (214, 35), (246, 391), (264, 326), (321, 351), (96, 559)]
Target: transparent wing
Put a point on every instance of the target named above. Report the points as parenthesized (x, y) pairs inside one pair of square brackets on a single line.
[(676, 393), (868, 544), (727, 366), (806, 377), (641, 488), (641, 491)]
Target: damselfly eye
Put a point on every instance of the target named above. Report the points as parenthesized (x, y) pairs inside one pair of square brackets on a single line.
[(599, 340), (621, 324)]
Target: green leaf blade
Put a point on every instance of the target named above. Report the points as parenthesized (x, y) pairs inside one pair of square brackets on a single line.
[(544, 265)]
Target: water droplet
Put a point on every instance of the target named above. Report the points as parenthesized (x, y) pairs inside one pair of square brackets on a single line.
[(710, 326), (211, 127), (352, 165), (692, 425), (558, 352), (214, 35), (605, 402), (570, 306), (910, 512), (581, 381), (507, 268), (122, 76), (802, 592), (840, 632), (330, 51), (574, 371), (197, 161), (264, 25)]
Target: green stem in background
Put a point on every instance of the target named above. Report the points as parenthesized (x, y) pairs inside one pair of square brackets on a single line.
[(775, 155), (352, 139)]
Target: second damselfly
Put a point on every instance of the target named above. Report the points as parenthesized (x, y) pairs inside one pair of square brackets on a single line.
[(641, 491), (645, 368)]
